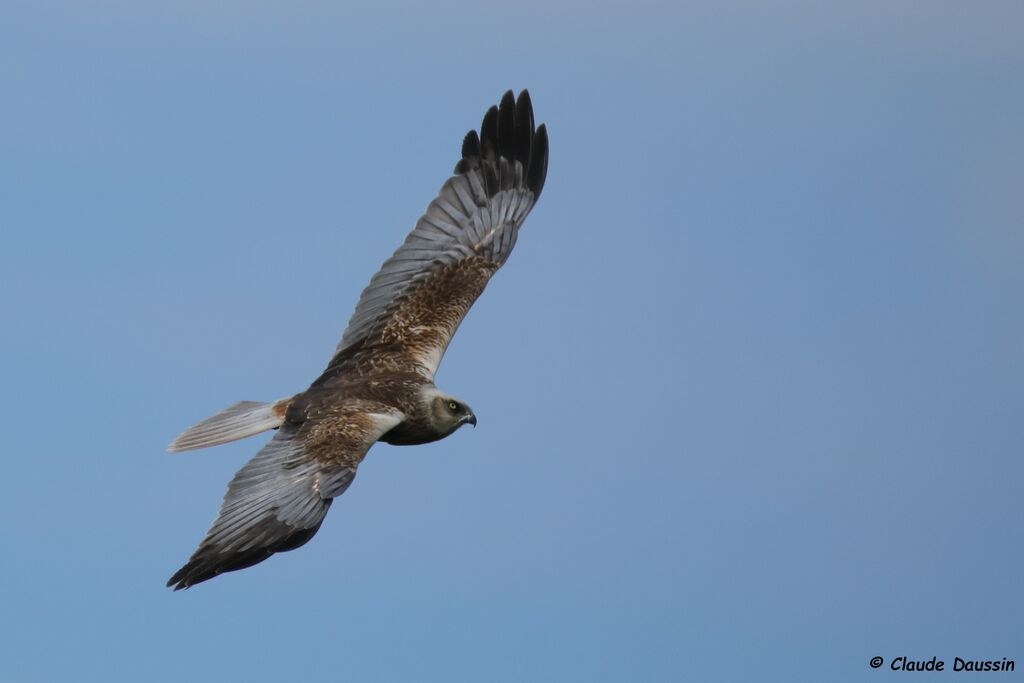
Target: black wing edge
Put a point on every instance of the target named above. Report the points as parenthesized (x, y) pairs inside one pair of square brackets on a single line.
[(209, 562), (508, 133)]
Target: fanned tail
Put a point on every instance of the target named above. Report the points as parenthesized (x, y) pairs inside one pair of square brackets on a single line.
[(243, 419)]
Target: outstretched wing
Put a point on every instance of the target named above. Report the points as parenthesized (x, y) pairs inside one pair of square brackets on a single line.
[(278, 500), (409, 312)]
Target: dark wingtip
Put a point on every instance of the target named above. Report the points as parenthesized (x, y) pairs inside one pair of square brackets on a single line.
[(524, 109), (489, 134), (178, 582), (208, 562), (507, 130), (189, 575), (471, 145), (538, 170), (507, 125), (524, 128)]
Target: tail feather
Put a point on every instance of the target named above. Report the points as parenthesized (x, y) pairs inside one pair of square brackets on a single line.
[(243, 419)]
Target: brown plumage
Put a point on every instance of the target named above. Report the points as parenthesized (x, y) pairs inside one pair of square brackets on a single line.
[(379, 386)]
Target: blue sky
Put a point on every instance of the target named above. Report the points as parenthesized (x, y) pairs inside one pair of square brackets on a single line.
[(749, 390)]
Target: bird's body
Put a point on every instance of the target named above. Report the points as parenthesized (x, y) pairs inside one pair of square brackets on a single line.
[(379, 385)]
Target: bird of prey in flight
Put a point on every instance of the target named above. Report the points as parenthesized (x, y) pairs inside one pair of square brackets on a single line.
[(379, 385)]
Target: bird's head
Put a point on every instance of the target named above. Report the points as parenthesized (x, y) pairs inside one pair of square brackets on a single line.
[(449, 413)]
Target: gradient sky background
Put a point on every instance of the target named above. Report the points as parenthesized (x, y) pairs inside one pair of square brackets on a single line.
[(750, 389)]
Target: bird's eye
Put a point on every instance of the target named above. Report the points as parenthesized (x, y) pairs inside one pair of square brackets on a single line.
[(453, 406)]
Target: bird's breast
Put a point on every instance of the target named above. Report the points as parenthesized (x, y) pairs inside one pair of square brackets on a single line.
[(411, 433)]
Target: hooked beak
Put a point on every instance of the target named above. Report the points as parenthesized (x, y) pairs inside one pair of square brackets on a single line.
[(470, 419)]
